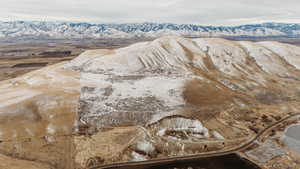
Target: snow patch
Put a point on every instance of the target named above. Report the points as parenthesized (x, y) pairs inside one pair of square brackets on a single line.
[(146, 147), (184, 126), (138, 157), (289, 53), (51, 129), (217, 135)]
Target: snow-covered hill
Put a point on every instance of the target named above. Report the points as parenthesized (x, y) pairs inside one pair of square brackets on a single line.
[(86, 30), (175, 95)]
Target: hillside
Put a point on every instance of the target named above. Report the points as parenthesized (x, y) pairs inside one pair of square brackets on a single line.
[(172, 96)]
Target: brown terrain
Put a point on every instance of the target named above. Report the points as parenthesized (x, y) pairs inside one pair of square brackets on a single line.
[(21, 56), (170, 97)]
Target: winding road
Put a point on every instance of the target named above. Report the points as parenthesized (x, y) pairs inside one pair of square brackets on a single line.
[(155, 162)]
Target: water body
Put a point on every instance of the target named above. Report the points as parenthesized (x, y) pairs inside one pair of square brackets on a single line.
[(292, 138), (231, 161)]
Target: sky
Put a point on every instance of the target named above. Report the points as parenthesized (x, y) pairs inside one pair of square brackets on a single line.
[(204, 12)]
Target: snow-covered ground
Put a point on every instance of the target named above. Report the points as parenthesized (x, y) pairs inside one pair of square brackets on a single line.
[(176, 88), (146, 82), (152, 30)]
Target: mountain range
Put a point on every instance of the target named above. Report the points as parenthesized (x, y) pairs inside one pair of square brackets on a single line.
[(18, 29)]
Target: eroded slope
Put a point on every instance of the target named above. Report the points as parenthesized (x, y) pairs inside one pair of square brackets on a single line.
[(169, 97)]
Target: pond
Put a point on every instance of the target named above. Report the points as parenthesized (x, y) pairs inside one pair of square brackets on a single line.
[(292, 137), (231, 161)]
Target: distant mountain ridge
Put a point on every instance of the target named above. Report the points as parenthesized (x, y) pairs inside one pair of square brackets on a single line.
[(151, 30)]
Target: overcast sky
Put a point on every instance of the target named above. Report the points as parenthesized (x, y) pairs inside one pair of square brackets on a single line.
[(205, 12)]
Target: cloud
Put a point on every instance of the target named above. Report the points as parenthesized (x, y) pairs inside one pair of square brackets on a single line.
[(208, 12)]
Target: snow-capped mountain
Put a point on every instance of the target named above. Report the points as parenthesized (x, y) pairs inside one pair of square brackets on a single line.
[(87, 30)]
